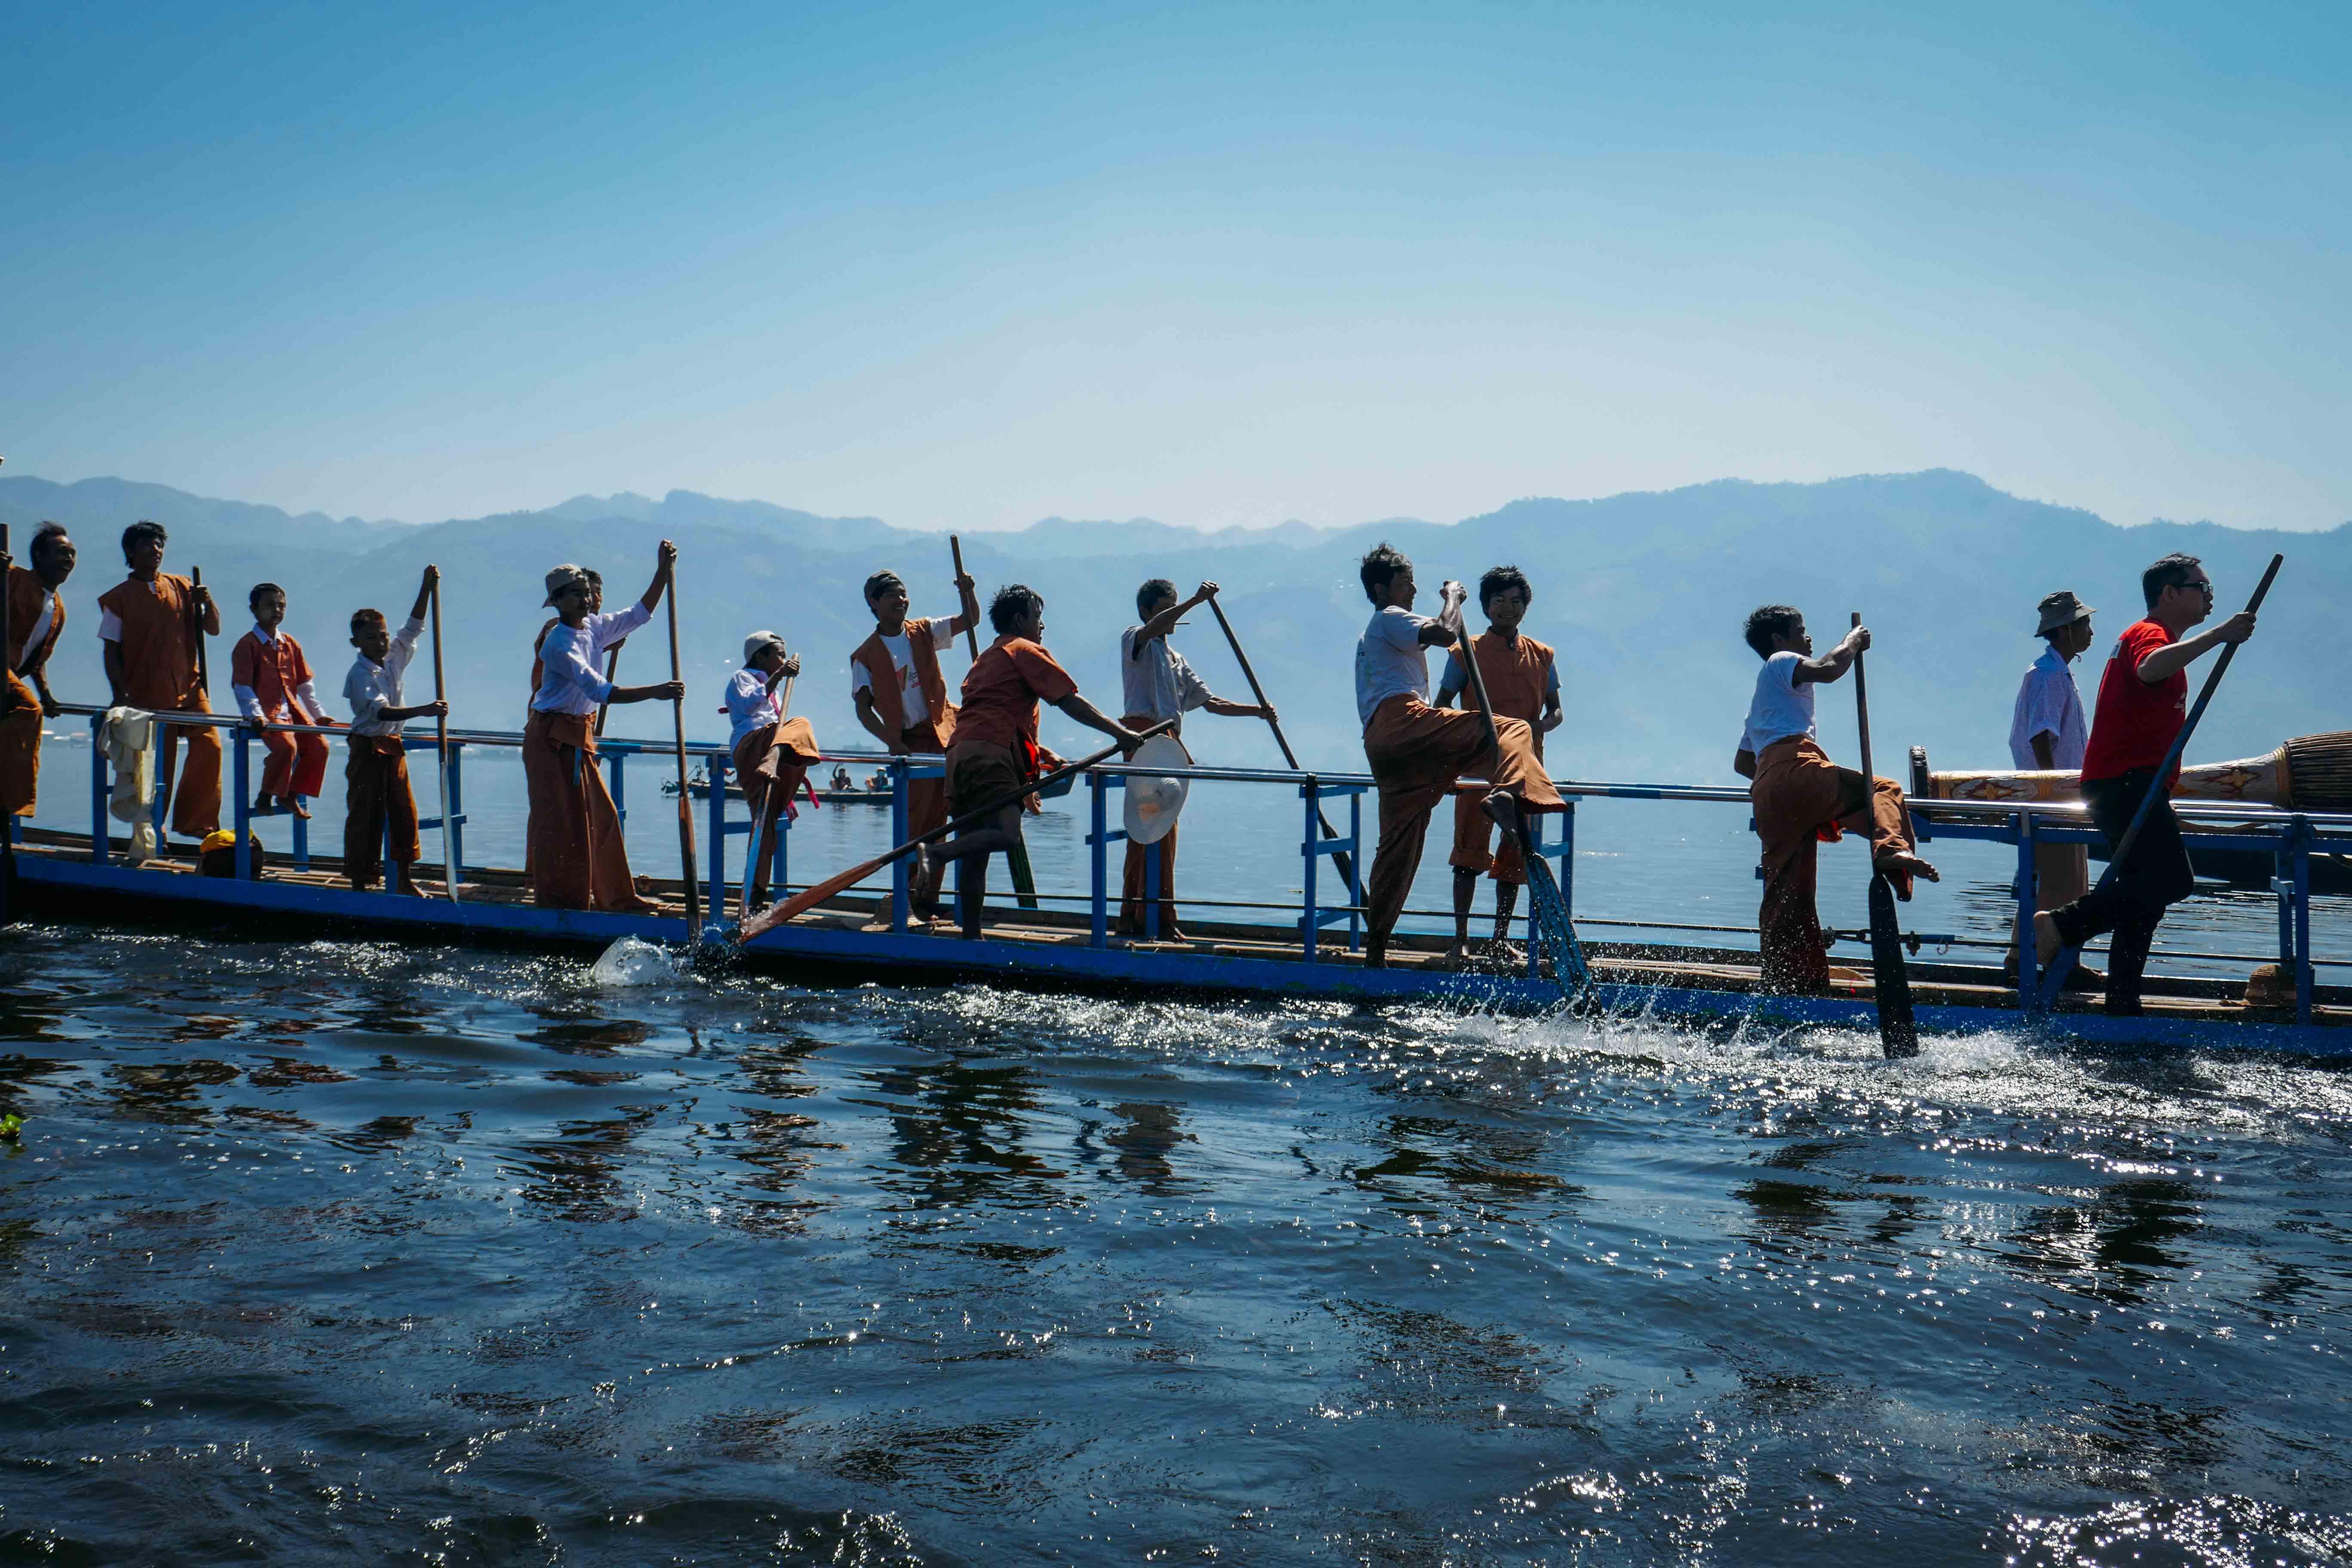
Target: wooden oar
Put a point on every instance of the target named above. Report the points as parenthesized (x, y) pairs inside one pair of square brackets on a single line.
[(2054, 981), (971, 633), (441, 746), (1547, 910), (612, 671), (1347, 871), (1899, 1031), (685, 797), (204, 667), (778, 915)]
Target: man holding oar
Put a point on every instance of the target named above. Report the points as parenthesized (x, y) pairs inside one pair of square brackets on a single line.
[(995, 747), (1417, 752), (36, 619), (902, 697), (1158, 683), (153, 624), (1801, 798), (2143, 703), (577, 859)]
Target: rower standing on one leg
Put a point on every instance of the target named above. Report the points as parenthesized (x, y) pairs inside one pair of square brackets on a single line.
[(1417, 752), (772, 750), (1523, 683), (2143, 702), (1801, 798)]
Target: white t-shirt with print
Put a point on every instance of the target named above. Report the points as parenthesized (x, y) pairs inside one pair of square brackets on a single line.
[(911, 702)]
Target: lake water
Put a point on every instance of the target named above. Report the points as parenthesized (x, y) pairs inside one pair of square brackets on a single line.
[(356, 1251)]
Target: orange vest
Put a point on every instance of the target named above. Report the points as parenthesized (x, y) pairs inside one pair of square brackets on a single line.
[(159, 628), (882, 677), (1515, 675), (274, 670), (26, 592)]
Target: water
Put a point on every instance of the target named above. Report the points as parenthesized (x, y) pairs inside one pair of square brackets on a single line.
[(370, 1253)]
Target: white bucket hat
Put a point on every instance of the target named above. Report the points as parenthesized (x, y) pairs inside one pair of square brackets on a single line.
[(755, 642)]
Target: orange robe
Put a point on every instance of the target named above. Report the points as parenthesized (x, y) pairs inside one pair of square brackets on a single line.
[(1518, 680), (274, 672), (1416, 752), (577, 859), (1800, 799), (20, 731), (161, 625)]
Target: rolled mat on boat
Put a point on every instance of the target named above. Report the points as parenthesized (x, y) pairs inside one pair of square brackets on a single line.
[(2310, 772)]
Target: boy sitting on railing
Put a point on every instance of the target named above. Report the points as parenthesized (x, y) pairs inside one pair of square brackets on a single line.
[(1416, 752), (1801, 798), (773, 754), (995, 749), (378, 800), (271, 679)]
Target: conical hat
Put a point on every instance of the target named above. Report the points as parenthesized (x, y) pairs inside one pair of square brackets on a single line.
[(1153, 800)]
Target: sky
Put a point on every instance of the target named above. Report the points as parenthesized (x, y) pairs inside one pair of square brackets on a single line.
[(971, 265)]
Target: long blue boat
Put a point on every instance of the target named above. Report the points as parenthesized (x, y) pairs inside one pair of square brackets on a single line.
[(1308, 950)]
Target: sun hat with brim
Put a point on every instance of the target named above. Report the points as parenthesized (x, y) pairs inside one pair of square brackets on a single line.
[(2060, 609), (757, 641), (564, 576)]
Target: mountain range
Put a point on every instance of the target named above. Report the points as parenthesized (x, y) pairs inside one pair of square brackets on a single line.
[(1642, 595)]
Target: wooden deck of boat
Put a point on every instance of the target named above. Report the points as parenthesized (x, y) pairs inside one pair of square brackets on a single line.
[(1053, 944)]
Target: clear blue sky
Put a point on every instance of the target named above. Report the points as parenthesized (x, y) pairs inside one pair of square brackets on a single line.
[(972, 264)]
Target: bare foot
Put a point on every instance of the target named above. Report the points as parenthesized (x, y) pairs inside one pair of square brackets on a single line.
[(408, 889), (1900, 868), (1507, 952), (1456, 957), (2046, 940), (1503, 806), (925, 872), (1376, 952), (293, 802)]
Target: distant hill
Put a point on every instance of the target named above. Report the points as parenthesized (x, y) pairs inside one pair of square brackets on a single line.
[(1642, 595)]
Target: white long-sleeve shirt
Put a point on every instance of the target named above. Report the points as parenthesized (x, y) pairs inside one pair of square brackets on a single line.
[(569, 680), (371, 687)]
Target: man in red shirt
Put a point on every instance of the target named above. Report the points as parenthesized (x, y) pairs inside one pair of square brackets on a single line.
[(2143, 702), (995, 745)]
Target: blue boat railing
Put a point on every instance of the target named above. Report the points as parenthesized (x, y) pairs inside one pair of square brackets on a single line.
[(2292, 837)]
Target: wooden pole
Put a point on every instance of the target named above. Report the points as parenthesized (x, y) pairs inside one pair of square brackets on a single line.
[(1347, 872), (971, 633), (612, 673), (441, 751), (1898, 1030), (203, 668), (685, 797)]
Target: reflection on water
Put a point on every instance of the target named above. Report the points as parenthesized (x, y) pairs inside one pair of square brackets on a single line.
[(368, 1252)]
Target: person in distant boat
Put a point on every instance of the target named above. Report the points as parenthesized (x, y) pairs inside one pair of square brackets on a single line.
[(902, 697), (1417, 752), (272, 682), (841, 779), (577, 859), (2046, 731), (150, 624), (1523, 683), (995, 747), (1801, 798), (378, 805), (772, 751), (2143, 702), (36, 618), (1160, 684)]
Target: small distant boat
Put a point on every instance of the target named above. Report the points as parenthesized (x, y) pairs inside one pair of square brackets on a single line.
[(697, 784)]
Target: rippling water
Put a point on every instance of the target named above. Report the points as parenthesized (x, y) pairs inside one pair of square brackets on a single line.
[(394, 1254)]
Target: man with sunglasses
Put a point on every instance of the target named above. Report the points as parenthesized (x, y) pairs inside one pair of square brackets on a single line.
[(2143, 702)]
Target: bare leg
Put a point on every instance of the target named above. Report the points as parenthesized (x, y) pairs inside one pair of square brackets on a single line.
[(1507, 899), (1465, 888), (932, 860)]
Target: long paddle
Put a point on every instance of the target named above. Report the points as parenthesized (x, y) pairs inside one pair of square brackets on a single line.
[(685, 797), (2053, 981), (778, 915), (1025, 880), (612, 672), (1347, 871), (441, 747), (1898, 1032), (203, 666), (1547, 910)]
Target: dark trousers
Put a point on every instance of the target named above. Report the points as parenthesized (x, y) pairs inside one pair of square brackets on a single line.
[(2156, 876)]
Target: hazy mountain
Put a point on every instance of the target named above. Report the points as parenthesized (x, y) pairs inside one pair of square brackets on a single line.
[(1642, 595)]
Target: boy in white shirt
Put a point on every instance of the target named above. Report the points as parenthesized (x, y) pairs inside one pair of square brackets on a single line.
[(1801, 798), (1416, 752), (772, 752), (377, 774), (902, 697)]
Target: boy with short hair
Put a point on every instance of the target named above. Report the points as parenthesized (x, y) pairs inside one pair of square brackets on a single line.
[(902, 698), (2143, 702), (1801, 798), (771, 753), (377, 774), (995, 747), (1158, 683), (1523, 683), (36, 618), (271, 679), (1417, 752), (149, 625)]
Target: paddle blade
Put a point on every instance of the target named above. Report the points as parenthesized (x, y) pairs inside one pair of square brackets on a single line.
[(802, 902), (1899, 1034), (1549, 923)]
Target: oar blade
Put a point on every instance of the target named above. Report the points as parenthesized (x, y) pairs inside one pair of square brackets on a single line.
[(1898, 1030), (1550, 925)]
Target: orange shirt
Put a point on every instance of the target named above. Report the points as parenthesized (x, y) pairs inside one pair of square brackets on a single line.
[(1518, 676), (25, 593), (1002, 692), (160, 627), (273, 671)]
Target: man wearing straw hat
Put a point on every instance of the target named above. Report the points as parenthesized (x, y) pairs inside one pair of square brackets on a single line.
[(2047, 733), (577, 859)]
